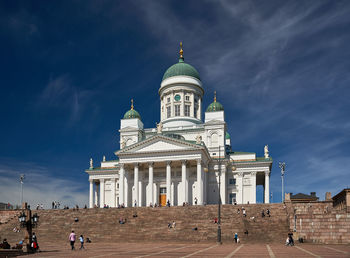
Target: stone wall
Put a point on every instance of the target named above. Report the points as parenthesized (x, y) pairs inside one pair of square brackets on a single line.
[(7, 215), (319, 222)]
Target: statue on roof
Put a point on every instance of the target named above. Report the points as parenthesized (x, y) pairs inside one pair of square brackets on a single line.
[(104, 158), (266, 151), (91, 163), (198, 139), (122, 143), (159, 127)]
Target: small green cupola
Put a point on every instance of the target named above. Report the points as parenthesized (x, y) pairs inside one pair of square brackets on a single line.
[(215, 106), (227, 136), (181, 68), (132, 113)]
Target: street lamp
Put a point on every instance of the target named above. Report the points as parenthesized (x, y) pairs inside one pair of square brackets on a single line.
[(219, 206), (21, 179), (282, 166), (28, 221), (22, 219)]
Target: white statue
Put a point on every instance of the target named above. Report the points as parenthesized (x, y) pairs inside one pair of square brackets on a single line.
[(122, 143), (104, 158), (266, 151), (198, 139), (159, 127), (91, 163)]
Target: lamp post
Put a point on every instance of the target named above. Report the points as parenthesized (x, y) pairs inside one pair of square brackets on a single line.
[(28, 221), (282, 166), (21, 179), (219, 206)]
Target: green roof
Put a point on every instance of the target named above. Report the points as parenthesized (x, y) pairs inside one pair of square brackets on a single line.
[(181, 68), (132, 113), (215, 106), (227, 136)]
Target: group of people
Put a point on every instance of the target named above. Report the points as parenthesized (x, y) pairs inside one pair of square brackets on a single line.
[(55, 205), (72, 238), (267, 213), (39, 206)]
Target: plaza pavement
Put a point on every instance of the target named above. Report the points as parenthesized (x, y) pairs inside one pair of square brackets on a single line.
[(95, 250)]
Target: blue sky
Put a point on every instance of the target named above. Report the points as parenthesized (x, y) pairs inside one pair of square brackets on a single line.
[(70, 68)]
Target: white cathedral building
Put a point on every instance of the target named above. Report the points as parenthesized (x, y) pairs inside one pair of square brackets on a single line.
[(184, 159)]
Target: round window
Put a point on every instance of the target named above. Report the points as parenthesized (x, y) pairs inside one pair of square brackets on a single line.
[(177, 97)]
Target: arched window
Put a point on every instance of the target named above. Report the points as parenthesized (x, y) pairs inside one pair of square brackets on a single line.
[(214, 140)]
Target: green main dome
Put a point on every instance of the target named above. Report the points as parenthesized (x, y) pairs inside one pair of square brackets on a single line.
[(181, 68)]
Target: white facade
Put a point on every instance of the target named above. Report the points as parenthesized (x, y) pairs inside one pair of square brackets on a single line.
[(180, 161)]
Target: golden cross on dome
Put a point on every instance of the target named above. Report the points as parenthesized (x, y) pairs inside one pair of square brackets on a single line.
[(132, 104), (181, 51), (214, 96)]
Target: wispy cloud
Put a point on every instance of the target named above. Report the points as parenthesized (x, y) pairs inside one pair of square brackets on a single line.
[(40, 186), (60, 93), (283, 68)]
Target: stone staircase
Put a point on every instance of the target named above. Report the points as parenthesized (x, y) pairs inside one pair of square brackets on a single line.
[(151, 224)]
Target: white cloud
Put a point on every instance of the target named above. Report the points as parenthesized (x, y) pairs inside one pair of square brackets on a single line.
[(40, 187)]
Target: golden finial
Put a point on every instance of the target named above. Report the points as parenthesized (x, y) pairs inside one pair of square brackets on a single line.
[(132, 104), (214, 96), (181, 51)]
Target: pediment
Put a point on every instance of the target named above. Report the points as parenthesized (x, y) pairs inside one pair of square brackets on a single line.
[(159, 143)]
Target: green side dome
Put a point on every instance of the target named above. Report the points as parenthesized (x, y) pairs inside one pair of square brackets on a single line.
[(215, 106), (181, 68), (132, 113), (227, 136)]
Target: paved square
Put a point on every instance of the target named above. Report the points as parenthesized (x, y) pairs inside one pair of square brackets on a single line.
[(95, 250)]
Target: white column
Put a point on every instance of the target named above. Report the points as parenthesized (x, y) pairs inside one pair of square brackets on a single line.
[(102, 193), (200, 108), (91, 194), (97, 188), (113, 193), (183, 193), (140, 203), (187, 185), (136, 185), (150, 184), (223, 184), (182, 104), (192, 105), (126, 190), (121, 184), (253, 186), (240, 187), (168, 181), (267, 186), (172, 104), (199, 182)]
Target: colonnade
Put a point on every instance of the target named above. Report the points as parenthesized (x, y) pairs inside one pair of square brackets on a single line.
[(185, 193)]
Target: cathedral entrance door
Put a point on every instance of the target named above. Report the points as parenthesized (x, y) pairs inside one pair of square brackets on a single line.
[(162, 196)]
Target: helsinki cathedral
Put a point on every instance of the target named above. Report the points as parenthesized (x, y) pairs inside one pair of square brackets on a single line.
[(186, 159)]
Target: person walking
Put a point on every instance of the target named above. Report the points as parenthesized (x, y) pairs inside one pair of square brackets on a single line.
[(81, 239), (72, 237), (236, 237)]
